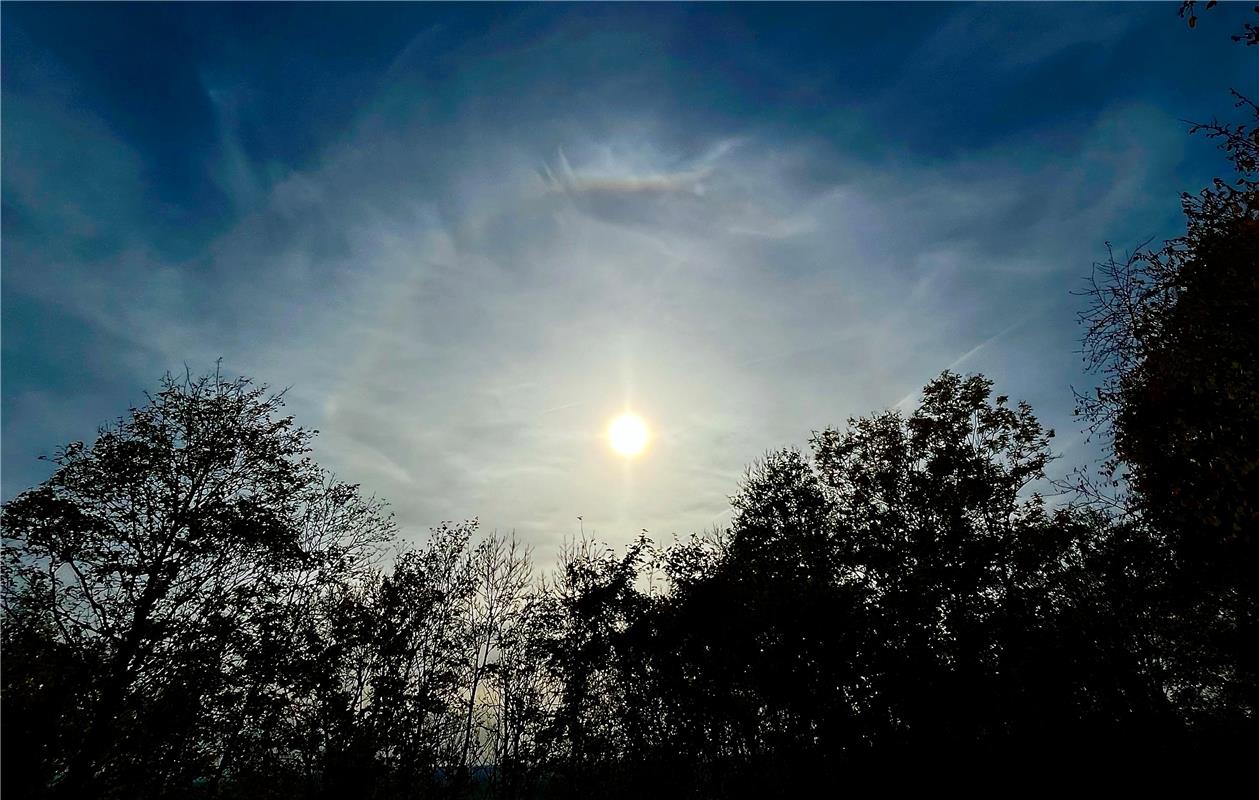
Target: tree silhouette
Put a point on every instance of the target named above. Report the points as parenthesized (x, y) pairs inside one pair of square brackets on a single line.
[(159, 559), (1172, 331), (900, 592)]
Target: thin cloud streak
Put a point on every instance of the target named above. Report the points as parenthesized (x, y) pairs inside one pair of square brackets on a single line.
[(462, 289)]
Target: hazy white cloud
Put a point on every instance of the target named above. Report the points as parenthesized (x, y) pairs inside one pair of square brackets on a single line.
[(465, 362), (460, 312)]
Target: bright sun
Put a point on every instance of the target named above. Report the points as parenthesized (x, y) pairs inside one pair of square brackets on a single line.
[(628, 434)]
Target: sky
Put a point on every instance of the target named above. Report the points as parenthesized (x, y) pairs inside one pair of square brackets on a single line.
[(467, 236)]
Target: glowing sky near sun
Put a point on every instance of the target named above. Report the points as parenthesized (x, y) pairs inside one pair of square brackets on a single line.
[(468, 235)]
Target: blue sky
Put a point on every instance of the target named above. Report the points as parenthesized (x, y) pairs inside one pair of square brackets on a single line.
[(466, 236)]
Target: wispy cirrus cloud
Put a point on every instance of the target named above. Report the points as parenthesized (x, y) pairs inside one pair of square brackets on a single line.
[(471, 278)]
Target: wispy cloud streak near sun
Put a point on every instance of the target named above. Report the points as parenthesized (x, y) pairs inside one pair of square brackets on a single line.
[(468, 274)]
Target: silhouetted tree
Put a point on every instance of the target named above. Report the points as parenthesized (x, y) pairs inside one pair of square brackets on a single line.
[(1250, 31), (579, 635), (1172, 332), (158, 561), (900, 593)]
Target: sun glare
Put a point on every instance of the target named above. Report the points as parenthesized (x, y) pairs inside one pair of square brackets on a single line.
[(628, 434)]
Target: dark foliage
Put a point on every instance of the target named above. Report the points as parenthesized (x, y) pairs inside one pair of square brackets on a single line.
[(204, 619), (1173, 332)]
